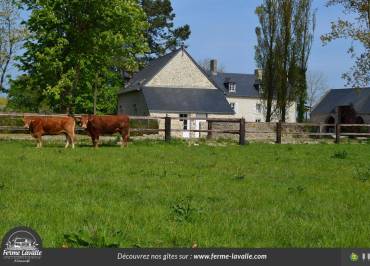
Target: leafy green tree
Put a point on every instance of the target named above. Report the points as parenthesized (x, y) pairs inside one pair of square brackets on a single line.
[(75, 48), (305, 23), (358, 30), (284, 40), (265, 51), (11, 34), (162, 35), (285, 58), (25, 96)]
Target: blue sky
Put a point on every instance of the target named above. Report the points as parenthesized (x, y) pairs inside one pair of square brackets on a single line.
[(224, 29)]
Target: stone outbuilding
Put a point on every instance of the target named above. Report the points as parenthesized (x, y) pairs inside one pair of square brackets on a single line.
[(345, 106), (174, 85)]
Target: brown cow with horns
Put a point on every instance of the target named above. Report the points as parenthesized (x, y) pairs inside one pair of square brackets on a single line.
[(97, 125)]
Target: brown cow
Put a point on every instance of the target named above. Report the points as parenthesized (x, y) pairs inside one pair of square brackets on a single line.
[(97, 125), (51, 125)]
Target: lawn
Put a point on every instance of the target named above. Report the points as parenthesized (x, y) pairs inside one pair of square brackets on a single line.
[(155, 194)]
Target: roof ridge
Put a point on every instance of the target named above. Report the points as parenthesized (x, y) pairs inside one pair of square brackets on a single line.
[(149, 71), (235, 73), (360, 88)]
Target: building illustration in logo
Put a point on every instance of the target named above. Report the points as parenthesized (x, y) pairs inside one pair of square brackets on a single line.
[(21, 245)]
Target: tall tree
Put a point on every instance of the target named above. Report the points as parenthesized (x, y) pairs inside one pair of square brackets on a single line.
[(358, 30), (11, 33), (265, 51), (304, 26), (162, 35), (284, 40), (75, 47), (286, 58)]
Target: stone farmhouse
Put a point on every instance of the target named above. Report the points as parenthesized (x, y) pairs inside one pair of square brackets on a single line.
[(175, 85), (346, 106)]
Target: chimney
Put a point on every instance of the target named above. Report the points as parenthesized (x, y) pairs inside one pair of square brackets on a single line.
[(258, 73), (213, 66)]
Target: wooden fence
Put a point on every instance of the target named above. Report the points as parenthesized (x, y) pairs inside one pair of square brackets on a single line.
[(315, 130)]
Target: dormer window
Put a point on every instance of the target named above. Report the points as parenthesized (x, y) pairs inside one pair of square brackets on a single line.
[(232, 86)]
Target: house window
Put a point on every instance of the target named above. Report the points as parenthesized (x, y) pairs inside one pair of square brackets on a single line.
[(183, 118), (258, 108), (232, 87), (258, 120), (233, 105)]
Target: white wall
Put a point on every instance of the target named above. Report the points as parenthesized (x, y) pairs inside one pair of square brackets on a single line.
[(247, 108)]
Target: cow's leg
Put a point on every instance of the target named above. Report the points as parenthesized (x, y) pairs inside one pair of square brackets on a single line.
[(39, 142), (92, 139), (67, 141), (125, 133), (73, 140), (95, 140), (70, 141)]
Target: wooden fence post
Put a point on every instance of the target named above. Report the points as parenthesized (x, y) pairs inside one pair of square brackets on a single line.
[(278, 132), (167, 128), (337, 133), (321, 130), (209, 133), (242, 132)]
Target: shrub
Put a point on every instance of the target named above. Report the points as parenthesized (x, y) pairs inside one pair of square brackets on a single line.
[(11, 121), (90, 239), (143, 124), (362, 174), (183, 211), (340, 155)]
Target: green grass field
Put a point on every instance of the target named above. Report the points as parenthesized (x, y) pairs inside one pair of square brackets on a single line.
[(155, 194)]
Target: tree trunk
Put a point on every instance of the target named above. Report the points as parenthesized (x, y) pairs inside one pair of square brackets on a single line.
[(302, 96), (70, 106), (283, 113), (95, 92)]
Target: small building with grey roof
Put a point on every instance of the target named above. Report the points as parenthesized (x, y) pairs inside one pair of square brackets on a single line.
[(348, 106)]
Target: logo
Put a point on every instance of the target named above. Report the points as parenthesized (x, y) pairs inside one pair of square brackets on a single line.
[(353, 257), (21, 244)]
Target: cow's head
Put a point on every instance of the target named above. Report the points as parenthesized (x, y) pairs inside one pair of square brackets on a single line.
[(27, 120), (84, 120)]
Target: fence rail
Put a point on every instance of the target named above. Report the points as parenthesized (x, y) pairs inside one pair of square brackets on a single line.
[(279, 129)]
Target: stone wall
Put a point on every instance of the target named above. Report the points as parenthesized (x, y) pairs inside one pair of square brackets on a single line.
[(181, 72), (253, 131), (132, 103)]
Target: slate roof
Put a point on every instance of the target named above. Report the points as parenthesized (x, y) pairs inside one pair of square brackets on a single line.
[(359, 98), (186, 100), (246, 85), (177, 100), (146, 74)]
